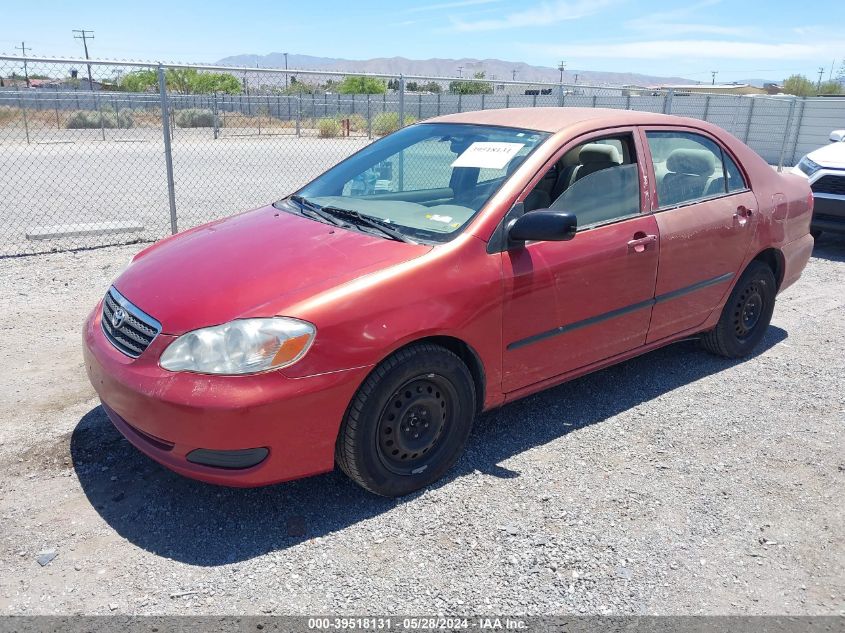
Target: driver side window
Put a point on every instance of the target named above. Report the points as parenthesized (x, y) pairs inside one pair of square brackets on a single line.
[(596, 181)]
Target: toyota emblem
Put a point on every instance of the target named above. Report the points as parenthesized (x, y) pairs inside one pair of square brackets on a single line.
[(118, 318)]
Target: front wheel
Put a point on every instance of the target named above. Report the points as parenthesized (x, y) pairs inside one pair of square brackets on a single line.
[(746, 315), (409, 421)]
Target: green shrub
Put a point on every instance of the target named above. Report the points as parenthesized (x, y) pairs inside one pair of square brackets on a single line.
[(387, 122), (194, 117), (328, 128), (94, 120)]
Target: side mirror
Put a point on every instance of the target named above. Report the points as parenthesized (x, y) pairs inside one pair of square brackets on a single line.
[(543, 225), (837, 136)]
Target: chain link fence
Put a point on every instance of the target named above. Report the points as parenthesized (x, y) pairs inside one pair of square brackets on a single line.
[(105, 152)]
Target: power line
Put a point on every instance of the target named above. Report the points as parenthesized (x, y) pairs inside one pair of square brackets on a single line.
[(23, 48), (84, 35)]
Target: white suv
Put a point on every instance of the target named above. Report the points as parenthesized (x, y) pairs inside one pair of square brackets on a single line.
[(825, 170)]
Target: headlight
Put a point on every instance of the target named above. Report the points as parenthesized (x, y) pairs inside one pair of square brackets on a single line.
[(243, 346), (808, 167)]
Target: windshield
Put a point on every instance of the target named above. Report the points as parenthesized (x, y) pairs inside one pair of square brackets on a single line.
[(425, 181)]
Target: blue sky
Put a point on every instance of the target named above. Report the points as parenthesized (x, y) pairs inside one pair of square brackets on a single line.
[(738, 38)]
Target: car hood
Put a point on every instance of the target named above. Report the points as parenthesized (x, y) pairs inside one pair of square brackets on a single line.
[(252, 264), (832, 155)]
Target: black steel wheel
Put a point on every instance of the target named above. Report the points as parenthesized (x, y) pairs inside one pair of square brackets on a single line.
[(409, 421), (412, 424), (746, 315)]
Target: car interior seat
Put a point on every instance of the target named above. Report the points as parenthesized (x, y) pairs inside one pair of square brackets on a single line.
[(688, 173), (591, 158)]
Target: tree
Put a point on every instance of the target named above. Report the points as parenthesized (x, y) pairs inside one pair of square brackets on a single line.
[(138, 81), (181, 80), (216, 82), (472, 87), (799, 86), (833, 87), (360, 85)]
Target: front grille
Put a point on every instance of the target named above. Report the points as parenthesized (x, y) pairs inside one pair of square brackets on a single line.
[(127, 327), (830, 184)]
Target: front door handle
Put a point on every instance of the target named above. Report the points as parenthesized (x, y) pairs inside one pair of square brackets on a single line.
[(639, 244)]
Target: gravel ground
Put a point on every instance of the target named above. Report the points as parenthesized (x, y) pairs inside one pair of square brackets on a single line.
[(675, 483)]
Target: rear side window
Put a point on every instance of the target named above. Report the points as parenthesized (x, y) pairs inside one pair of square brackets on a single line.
[(690, 167)]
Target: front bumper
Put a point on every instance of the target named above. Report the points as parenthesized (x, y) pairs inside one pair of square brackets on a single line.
[(828, 213), (168, 415)]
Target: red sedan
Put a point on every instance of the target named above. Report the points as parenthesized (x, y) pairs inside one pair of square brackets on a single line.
[(448, 268)]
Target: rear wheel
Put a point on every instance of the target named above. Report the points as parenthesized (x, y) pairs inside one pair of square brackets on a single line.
[(746, 315), (408, 422)]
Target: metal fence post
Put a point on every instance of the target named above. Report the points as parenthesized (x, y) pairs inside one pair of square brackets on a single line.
[(168, 153), (482, 100), (798, 125), (438, 104), (507, 101), (214, 116), (786, 132), (102, 118), (369, 120), (706, 107), (560, 96), (299, 116), (401, 101), (23, 112), (667, 101), (748, 122)]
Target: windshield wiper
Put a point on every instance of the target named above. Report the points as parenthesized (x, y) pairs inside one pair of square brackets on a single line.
[(313, 210), (365, 220)]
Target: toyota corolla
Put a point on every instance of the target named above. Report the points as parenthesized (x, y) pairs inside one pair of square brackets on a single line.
[(446, 269)]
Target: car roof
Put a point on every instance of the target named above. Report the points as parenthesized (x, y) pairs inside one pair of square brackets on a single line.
[(556, 119)]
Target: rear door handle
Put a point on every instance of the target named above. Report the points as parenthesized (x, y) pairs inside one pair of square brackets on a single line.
[(639, 244), (743, 214)]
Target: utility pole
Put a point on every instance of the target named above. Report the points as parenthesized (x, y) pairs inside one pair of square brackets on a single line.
[(561, 67), (576, 78), (819, 84), (84, 36), (23, 49), (513, 74), (460, 71), (713, 74), (286, 68)]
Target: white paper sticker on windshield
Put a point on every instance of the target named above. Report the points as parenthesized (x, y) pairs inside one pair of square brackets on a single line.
[(488, 155)]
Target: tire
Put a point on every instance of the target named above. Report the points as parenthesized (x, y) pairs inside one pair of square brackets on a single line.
[(746, 315), (408, 423)]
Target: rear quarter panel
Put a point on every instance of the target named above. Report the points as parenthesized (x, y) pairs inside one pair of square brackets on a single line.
[(784, 211)]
